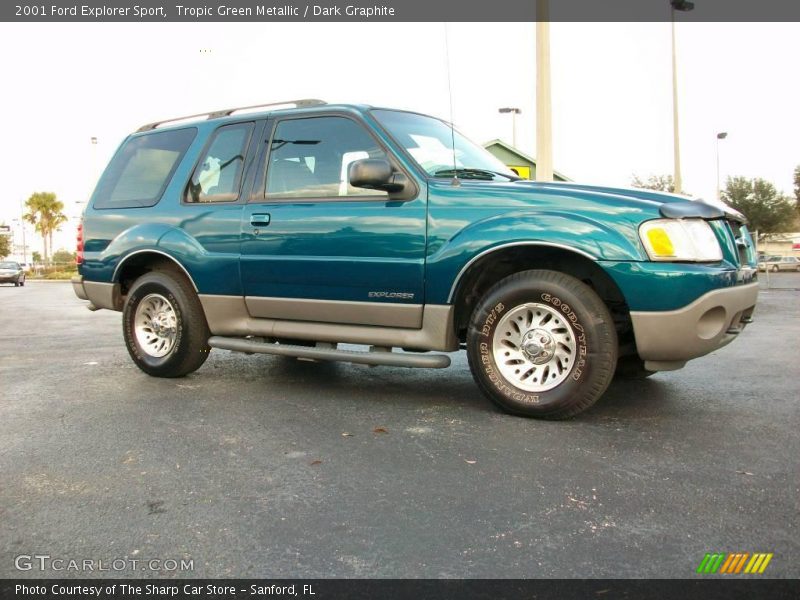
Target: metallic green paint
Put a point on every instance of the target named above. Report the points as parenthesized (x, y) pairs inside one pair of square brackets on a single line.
[(343, 249)]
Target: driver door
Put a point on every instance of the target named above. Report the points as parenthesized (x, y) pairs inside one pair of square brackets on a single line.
[(315, 248)]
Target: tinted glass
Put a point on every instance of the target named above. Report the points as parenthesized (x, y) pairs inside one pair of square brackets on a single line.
[(311, 157), (438, 148), (141, 169), (219, 174)]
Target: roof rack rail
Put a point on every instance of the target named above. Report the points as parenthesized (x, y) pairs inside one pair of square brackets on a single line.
[(303, 103)]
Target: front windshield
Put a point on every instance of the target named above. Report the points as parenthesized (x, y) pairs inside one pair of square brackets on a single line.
[(429, 141), (9, 265)]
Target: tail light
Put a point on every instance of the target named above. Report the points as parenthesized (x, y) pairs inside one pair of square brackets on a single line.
[(79, 247)]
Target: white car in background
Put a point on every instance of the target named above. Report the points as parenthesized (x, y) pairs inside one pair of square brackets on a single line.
[(779, 263), (12, 272)]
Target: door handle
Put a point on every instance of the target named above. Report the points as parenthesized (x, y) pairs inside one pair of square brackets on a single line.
[(259, 220)]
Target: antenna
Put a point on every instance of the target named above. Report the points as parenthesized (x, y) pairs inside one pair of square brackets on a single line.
[(455, 181)]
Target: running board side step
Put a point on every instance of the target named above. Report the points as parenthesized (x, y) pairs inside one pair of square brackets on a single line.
[(376, 356)]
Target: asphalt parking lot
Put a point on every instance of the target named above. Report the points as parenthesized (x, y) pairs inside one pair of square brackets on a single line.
[(261, 466)]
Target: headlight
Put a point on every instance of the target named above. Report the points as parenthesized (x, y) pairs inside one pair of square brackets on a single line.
[(680, 240)]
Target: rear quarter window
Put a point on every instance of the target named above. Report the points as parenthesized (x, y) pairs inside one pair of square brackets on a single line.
[(141, 169)]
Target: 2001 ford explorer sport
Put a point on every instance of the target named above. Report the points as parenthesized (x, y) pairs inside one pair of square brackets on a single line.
[(289, 229)]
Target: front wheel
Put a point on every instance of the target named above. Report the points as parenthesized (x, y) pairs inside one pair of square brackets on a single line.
[(164, 325), (542, 344), (774, 268)]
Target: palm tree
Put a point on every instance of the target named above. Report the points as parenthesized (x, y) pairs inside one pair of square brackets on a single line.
[(45, 213)]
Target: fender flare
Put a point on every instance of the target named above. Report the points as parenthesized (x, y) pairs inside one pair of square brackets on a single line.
[(487, 251), (121, 263)]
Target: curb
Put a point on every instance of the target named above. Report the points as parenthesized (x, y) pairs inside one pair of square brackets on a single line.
[(29, 280)]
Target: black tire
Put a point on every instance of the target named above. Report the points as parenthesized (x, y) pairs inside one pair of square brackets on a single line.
[(774, 268), (579, 381), (16, 283), (189, 347), (632, 367), (22, 283)]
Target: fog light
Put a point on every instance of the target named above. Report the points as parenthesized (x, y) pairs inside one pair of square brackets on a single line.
[(711, 324)]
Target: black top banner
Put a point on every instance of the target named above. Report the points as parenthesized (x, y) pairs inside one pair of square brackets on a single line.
[(400, 10)]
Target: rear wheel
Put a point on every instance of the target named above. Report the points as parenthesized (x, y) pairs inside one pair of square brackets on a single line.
[(542, 344), (774, 268), (164, 326)]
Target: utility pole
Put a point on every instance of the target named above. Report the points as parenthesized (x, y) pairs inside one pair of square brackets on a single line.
[(683, 6), (544, 126)]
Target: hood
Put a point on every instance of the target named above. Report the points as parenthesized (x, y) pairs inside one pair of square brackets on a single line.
[(673, 206), (631, 203)]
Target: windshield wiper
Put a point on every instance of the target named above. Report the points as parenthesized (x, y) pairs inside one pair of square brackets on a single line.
[(466, 173)]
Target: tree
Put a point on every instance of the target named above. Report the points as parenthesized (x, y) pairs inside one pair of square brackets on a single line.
[(797, 187), (63, 256), (660, 183), (767, 210), (36, 257), (5, 245), (45, 212)]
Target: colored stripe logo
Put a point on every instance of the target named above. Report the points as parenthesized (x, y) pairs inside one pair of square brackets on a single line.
[(734, 563)]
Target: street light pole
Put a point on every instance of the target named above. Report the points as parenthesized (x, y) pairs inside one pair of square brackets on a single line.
[(514, 112), (22, 226), (24, 244), (93, 160), (720, 136), (21, 222), (682, 6)]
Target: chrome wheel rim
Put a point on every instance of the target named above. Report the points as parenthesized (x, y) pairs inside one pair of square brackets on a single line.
[(534, 347), (155, 325)]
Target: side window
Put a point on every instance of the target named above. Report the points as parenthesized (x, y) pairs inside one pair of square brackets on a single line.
[(311, 157), (141, 169), (218, 175)]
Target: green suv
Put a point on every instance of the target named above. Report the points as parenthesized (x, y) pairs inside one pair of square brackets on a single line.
[(291, 229)]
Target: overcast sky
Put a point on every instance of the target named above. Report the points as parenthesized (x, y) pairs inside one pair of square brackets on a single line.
[(612, 107)]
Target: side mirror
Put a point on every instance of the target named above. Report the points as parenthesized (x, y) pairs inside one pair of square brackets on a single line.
[(376, 174)]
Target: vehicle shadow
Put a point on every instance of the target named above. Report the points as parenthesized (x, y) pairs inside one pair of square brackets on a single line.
[(329, 382), (325, 381), (634, 399)]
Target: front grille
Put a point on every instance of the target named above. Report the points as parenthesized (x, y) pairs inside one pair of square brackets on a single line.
[(742, 241)]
